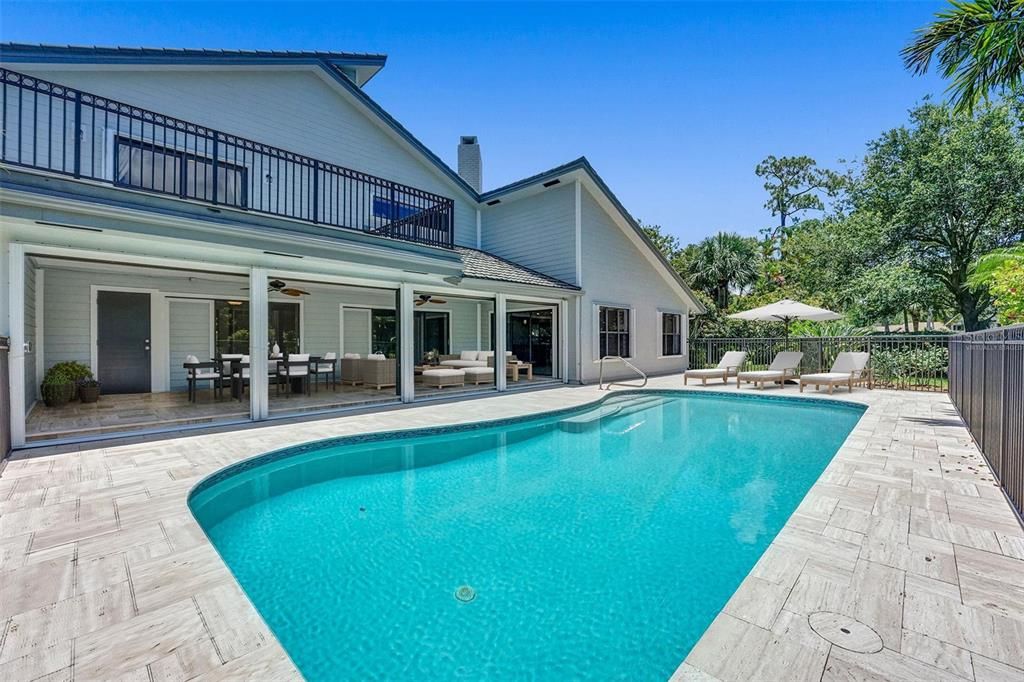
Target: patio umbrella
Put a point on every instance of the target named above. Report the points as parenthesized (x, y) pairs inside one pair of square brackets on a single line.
[(785, 311)]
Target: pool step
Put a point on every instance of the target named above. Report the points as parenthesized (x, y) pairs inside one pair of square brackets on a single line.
[(613, 408)]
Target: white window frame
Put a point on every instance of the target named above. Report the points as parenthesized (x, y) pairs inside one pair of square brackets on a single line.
[(662, 312), (630, 317)]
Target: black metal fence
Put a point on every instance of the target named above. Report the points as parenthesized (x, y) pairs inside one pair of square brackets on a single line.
[(57, 129), (906, 362), (986, 384)]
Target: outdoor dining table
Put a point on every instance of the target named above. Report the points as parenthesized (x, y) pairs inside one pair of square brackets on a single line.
[(237, 382)]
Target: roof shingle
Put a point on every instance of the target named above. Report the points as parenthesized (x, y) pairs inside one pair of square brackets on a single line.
[(482, 265)]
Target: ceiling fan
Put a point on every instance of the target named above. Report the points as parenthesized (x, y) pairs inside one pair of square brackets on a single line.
[(427, 298), (276, 285)]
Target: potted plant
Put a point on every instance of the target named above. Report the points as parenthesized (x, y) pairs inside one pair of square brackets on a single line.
[(74, 371), (57, 387), (88, 390)]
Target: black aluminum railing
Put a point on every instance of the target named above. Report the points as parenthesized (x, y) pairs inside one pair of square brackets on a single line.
[(907, 362), (986, 384), (57, 129)]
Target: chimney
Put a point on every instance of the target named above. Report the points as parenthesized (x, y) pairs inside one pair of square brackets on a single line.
[(470, 166)]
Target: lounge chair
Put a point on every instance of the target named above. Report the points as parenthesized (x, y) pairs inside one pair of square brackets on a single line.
[(848, 369), (783, 367), (727, 367)]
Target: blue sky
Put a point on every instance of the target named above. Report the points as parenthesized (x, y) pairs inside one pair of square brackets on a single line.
[(674, 104)]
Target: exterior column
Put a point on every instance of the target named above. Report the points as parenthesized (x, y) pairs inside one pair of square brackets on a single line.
[(563, 340), (16, 355), (259, 386), (500, 373), (406, 347)]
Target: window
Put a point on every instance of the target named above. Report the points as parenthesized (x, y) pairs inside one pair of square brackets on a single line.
[(613, 331), (231, 326), (384, 334), (150, 166), (671, 334)]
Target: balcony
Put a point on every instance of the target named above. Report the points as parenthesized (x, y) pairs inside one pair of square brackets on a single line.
[(56, 129)]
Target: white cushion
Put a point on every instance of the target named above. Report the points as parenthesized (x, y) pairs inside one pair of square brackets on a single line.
[(732, 358), (464, 363), (468, 355), (786, 360), (851, 362), (478, 371), (329, 356), (715, 372), (484, 354), (826, 377), (761, 374), (293, 371), (206, 374), (376, 356), (352, 356), (444, 373), (191, 359)]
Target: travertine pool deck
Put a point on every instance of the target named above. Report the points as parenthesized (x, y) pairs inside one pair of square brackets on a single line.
[(105, 574)]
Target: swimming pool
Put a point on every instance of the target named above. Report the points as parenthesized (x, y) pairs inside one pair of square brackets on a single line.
[(598, 542)]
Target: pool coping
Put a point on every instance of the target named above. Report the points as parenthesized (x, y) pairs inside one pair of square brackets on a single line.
[(112, 576)]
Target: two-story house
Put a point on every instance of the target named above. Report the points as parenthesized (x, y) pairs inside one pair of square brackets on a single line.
[(222, 236)]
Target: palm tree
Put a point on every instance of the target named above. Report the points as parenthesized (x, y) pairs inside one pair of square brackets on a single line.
[(979, 44), (722, 263), (987, 265)]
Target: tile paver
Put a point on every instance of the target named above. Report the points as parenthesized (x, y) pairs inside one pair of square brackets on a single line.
[(104, 573)]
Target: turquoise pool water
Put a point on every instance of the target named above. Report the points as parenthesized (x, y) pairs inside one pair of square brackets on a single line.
[(597, 543)]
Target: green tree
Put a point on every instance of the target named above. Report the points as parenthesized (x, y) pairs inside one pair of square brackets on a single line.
[(666, 243), (795, 184), (979, 45), (890, 290), (1002, 274), (722, 263), (947, 188)]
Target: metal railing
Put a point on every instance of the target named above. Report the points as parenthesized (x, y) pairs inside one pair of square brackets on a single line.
[(906, 362), (57, 129), (986, 384), (600, 374)]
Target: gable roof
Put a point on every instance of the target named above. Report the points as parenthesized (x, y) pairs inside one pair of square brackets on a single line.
[(364, 65), (582, 165), (477, 264)]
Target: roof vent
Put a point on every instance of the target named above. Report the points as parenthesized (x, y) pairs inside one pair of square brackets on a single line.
[(470, 165)]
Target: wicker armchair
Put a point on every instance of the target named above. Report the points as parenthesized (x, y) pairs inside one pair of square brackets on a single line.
[(351, 369), (379, 373)]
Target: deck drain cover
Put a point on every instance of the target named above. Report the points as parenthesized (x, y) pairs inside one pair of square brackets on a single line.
[(845, 632), (465, 594)]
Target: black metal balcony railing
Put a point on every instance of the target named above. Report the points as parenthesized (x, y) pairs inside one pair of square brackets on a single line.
[(57, 129)]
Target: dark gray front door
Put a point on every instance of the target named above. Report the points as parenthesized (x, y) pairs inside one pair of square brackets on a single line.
[(123, 342)]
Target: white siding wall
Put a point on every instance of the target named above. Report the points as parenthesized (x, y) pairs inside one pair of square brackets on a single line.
[(294, 110), (190, 334), (537, 231), (615, 272)]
